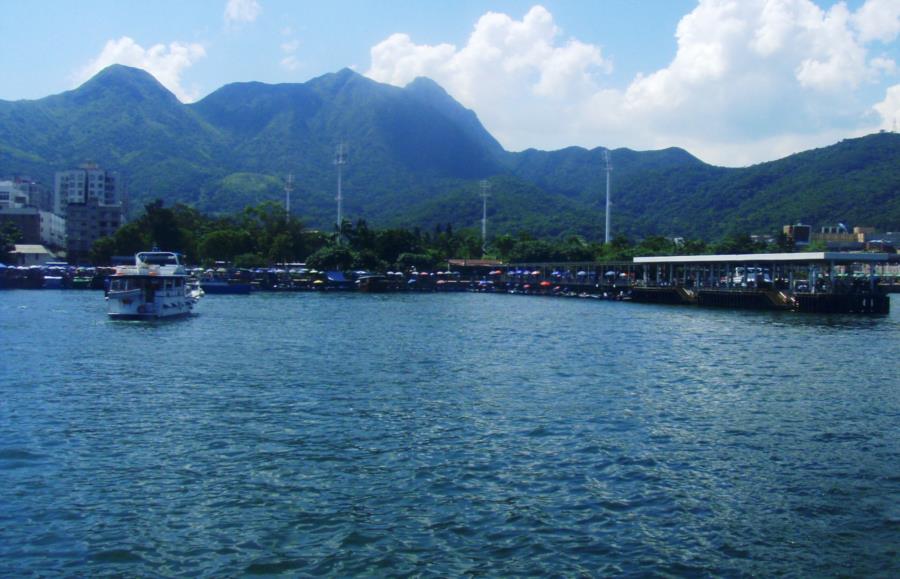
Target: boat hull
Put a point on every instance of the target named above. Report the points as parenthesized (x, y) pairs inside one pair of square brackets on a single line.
[(118, 309), (146, 298), (216, 287), (147, 317)]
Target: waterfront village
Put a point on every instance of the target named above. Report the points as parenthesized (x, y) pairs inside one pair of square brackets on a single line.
[(832, 268)]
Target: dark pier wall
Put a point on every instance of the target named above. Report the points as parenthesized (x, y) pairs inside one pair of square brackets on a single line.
[(657, 295), (754, 300), (855, 303)]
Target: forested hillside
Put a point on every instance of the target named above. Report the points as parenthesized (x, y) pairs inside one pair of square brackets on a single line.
[(416, 158)]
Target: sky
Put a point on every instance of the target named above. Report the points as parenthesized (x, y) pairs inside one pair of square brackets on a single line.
[(734, 82)]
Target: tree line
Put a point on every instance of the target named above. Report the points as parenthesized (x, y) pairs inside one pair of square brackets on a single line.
[(263, 235)]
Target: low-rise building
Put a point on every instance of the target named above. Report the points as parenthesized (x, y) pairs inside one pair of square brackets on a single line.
[(842, 234), (798, 234), (28, 255), (37, 227)]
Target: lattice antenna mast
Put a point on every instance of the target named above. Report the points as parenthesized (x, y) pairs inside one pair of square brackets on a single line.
[(340, 159), (485, 186), (608, 171), (288, 188)]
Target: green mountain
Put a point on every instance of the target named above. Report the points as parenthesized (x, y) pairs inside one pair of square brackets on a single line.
[(416, 158)]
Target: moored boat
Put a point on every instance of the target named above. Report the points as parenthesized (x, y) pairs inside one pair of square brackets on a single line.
[(154, 287), (225, 286)]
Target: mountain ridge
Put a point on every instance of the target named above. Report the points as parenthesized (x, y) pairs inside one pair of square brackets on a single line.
[(416, 158)]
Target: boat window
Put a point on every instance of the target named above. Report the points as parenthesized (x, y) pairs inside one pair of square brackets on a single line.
[(161, 258), (122, 284)]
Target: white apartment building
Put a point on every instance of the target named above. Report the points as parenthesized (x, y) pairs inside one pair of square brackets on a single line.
[(83, 185), (12, 196)]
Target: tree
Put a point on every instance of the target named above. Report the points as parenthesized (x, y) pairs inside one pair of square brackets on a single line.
[(368, 260), (655, 245), (417, 261), (102, 251), (281, 249), (162, 227), (249, 260), (618, 249), (225, 244), (503, 245), (130, 239), (533, 251), (737, 243), (332, 257), (576, 248), (10, 235), (694, 247), (391, 243)]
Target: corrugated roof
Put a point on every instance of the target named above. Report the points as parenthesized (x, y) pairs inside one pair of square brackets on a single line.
[(822, 256), (30, 249)]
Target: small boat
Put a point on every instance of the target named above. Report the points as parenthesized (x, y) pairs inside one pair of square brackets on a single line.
[(225, 286), (372, 283), (154, 287)]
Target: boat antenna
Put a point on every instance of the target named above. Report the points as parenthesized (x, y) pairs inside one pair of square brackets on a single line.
[(340, 159), (288, 188), (608, 171), (485, 186)]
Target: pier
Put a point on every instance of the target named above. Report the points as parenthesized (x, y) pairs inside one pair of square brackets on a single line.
[(821, 282)]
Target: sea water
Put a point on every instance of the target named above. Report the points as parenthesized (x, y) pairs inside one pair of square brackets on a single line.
[(446, 434)]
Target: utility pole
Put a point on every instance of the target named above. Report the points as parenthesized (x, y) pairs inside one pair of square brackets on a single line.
[(484, 196), (340, 159), (608, 171), (288, 187)]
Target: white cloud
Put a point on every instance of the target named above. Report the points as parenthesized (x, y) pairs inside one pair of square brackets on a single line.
[(889, 108), (290, 62), (289, 49), (766, 77), (503, 57), (397, 60), (878, 20), (239, 11), (166, 63)]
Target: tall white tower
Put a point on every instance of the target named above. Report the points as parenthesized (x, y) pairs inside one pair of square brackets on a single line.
[(484, 197), (608, 171), (340, 159)]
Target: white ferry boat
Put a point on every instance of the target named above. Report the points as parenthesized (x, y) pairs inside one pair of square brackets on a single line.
[(156, 286)]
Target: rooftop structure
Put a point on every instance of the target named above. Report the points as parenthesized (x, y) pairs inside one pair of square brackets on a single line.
[(764, 258)]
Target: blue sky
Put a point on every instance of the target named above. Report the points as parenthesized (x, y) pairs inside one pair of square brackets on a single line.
[(732, 81)]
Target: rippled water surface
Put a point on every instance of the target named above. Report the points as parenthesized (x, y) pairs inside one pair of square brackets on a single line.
[(443, 435)]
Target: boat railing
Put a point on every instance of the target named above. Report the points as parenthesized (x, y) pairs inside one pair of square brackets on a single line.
[(125, 293), (145, 269)]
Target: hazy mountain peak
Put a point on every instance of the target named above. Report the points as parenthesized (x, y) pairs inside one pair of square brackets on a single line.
[(423, 83)]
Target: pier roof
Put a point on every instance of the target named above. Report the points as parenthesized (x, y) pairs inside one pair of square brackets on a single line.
[(803, 257)]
